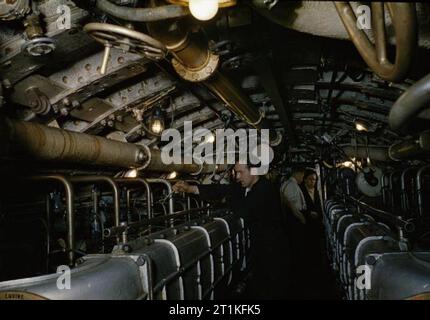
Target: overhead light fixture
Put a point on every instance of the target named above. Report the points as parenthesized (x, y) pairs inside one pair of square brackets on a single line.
[(156, 121), (131, 173), (204, 9), (172, 175), (210, 138), (361, 125)]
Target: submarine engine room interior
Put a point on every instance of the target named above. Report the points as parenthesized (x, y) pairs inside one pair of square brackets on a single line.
[(88, 89)]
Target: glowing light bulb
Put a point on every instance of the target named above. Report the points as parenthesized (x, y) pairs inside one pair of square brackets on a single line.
[(172, 175), (210, 138), (157, 126), (131, 173), (204, 9)]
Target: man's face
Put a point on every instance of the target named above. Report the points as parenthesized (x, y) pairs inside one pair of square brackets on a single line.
[(299, 177), (311, 181), (243, 175)]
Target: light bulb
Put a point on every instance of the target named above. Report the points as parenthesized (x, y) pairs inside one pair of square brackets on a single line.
[(157, 126), (131, 173), (204, 9), (361, 126), (210, 138), (172, 175)]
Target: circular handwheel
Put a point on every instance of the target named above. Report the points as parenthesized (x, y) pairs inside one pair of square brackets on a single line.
[(404, 21), (113, 36)]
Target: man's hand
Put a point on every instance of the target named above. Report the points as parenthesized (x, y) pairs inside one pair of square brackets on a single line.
[(182, 186)]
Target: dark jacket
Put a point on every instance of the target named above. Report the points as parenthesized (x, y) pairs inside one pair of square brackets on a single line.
[(261, 210)]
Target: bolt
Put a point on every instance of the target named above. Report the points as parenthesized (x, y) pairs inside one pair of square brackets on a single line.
[(141, 156), (75, 104), (110, 123), (126, 248), (140, 261), (64, 111), (66, 101), (103, 123), (371, 260), (119, 118)]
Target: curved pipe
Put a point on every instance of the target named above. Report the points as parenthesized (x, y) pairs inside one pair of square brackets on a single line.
[(194, 62), (169, 190), (70, 211), (107, 180), (143, 14), (409, 105), (420, 195), (147, 190)]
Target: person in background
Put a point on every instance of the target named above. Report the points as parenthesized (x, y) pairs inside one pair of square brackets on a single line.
[(292, 195), (311, 195), (314, 262)]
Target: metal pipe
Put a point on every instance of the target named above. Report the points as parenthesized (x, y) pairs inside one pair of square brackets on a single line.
[(404, 195), (69, 211), (384, 186), (391, 188), (143, 14), (97, 214), (411, 149), (420, 195), (118, 230), (403, 17), (410, 104), (34, 141), (147, 190), (168, 186), (398, 221), (107, 180), (156, 163), (193, 61), (374, 152)]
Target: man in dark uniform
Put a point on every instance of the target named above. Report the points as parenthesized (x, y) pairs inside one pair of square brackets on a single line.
[(256, 200)]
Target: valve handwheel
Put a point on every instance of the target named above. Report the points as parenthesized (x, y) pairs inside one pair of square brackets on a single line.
[(404, 21), (114, 36)]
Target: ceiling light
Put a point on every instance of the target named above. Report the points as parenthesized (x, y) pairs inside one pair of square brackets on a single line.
[(204, 9), (210, 138), (172, 175), (131, 173), (156, 121), (361, 125)]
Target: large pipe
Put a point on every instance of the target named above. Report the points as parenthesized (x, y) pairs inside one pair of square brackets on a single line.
[(143, 14), (410, 104), (411, 149), (68, 188), (34, 141), (194, 62), (195, 168), (373, 152)]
